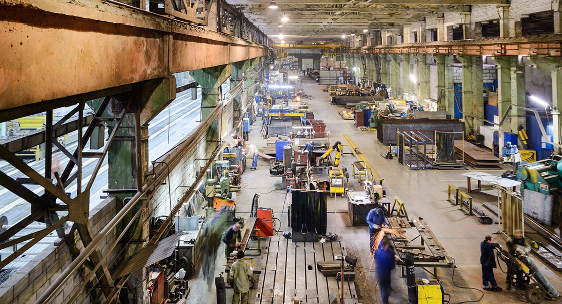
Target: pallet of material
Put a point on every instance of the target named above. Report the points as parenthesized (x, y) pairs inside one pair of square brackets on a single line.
[(475, 156)]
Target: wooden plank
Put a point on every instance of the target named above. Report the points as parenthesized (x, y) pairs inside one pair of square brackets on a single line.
[(290, 281), (321, 282), (311, 289), (279, 289), (270, 269), (300, 268)]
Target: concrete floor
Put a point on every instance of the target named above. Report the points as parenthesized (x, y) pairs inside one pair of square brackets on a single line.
[(424, 193)]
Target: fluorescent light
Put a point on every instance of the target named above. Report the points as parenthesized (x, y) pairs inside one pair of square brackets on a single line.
[(343, 36), (280, 25), (284, 18), (413, 78), (277, 86), (365, 30), (352, 34), (282, 41), (293, 77), (280, 36), (538, 100), (273, 5)]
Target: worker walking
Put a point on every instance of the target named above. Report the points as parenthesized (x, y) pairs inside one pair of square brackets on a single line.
[(253, 153), (488, 261), (375, 219), (385, 262), (231, 238), (240, 275)]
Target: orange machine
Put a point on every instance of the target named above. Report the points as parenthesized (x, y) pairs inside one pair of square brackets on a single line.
[(264, 222), (219, 201)]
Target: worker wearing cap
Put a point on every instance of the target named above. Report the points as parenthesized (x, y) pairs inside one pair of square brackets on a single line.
[(231, 239), (240, 275)]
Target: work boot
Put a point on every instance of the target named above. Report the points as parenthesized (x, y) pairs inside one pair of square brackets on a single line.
[(496, 288)]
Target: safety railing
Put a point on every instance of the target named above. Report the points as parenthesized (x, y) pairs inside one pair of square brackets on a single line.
[(465, 203), (452, 189)]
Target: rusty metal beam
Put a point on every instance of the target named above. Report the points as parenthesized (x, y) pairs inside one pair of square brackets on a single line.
[(34, 216), (93, 45), (543, 45)]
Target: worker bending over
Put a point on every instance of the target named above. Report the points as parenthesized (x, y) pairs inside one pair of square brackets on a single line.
[(253, 153), (375, 219), (231, 238), (517, 246), (240, 275)]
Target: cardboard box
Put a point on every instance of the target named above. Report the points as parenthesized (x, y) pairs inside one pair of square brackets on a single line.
[(493, 98)]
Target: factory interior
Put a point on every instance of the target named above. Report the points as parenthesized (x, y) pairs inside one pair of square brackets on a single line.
[(276, 152)]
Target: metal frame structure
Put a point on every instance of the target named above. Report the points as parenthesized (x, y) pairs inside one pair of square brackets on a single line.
[(545, 45), (419, 145)]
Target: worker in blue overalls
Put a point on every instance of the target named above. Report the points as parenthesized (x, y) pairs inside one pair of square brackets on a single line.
[(376, 219)]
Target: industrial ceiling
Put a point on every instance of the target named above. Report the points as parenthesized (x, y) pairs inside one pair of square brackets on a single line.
[(327, 20)]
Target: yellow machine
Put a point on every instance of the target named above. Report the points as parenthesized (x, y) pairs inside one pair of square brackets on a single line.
[(429, 292), (338, 147), (28, 125), (337, 181)]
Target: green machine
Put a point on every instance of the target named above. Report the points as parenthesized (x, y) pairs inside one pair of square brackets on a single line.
[(544, 176)]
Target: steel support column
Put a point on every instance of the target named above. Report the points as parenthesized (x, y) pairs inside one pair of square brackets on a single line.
[(385, 79), (407, 84), (504, 88), (472, 91), (396, 90), (210, 80), (423, 77)]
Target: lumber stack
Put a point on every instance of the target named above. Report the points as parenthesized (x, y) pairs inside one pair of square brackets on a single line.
[(475, 156)]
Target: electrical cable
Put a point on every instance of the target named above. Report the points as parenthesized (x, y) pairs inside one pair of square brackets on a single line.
[(464, 287)]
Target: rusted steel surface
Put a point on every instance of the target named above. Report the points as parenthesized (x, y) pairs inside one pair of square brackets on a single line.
[(53, 49), (541, 45)]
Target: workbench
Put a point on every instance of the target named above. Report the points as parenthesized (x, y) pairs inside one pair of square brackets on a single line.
[(429, 253), (489, 178)]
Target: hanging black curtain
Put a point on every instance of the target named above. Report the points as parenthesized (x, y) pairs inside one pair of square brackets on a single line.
[(309, 211)]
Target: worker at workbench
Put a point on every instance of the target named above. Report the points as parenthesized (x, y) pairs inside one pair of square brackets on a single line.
[(375, 219), (253, 153), (385, 262), (240, 275), (231, 238), (488, 261), (517, 245)]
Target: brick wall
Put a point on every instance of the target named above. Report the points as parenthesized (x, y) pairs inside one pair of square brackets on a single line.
[(29, 282), (489, 74)]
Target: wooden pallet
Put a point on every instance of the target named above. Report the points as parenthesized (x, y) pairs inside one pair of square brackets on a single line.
[(287, 274)]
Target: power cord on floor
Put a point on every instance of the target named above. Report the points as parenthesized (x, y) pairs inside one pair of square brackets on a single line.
[(463, 287)]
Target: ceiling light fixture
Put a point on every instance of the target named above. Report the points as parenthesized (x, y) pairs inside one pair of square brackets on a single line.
[(284, 18), (365, 30), (280, 25), (343, 36), (352, 34), (273, 5)]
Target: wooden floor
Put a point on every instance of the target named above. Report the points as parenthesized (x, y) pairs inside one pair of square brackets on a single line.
[(286, 273)]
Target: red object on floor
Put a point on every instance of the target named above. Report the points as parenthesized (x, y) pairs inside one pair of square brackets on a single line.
[(265, 222)]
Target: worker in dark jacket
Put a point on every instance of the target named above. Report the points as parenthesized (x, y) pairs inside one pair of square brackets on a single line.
[(231, 238), (488, 261), (375, 219), (385, 262)]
